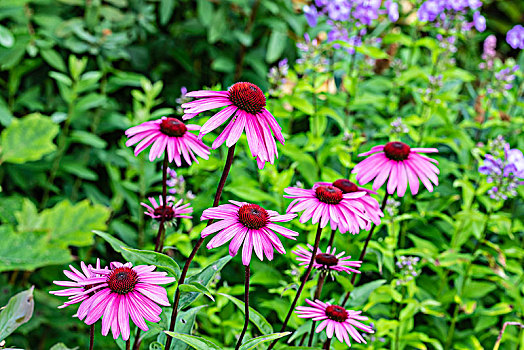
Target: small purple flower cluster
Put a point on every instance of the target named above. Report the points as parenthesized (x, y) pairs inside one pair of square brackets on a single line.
[(489, 52), (310, 54), (277, 77), (398, 127), (392, 207), (177, 185), (504, 78), (407, 268), (182, 99), (446, 13), (349, 19), (515, 37), (504, 168)]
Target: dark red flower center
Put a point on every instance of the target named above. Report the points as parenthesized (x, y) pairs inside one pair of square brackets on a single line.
[(253, 216), (173, 127), (336, 313), (329, 194), (326, 259), (122, 280), (247, 97), (397, 150), (170, 213), (345, 185)]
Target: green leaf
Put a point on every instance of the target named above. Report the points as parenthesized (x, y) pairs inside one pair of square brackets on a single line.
[(254, 342), (184, 324), (276, 45), (154, 258), (196, 287), (6, 38), (118, 246), (18, 311), (72, 224), (28, 139), (29, 250), (87, 138), (204, 277), (166, 10), (360, 294), (218, 26), (205, 12), (54, 59), (254, 316), (371, 51), (198, 343)]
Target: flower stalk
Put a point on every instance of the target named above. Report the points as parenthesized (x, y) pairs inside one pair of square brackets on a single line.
[(181, 280), (246, 304)]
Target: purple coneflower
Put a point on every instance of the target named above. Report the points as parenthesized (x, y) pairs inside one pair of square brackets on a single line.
[(329, 204), (171, 134), (172, 210), (245, 102), (125, 291), (247, 224), (327, 261), (336, 320), (77, 291), (401, 163)]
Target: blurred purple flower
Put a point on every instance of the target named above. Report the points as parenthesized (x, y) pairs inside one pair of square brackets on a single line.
[(311, 14), (515, 37), (392, 8), (479, 21)]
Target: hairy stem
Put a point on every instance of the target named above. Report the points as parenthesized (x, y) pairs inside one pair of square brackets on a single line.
[(306, 276), (181, 280), (363, 253), (246, 304)]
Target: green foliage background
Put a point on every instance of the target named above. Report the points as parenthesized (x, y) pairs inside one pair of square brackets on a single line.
[(75, 74)]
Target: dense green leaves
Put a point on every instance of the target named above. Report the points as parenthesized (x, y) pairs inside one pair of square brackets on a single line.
[(254, 316), (198, 343)]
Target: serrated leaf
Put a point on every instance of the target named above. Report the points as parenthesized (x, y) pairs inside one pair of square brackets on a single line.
[(18, 311), (254, 316), (198, 343), (196, 287), (154, 258), (72, 224), (204, 277), (28, 139), (254, 342)]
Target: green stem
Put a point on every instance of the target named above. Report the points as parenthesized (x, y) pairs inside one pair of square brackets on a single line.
[(246, 305)]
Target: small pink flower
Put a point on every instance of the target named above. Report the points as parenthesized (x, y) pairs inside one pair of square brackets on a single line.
[(170, 134), (78, 292), (326, 203), (125, 291), (249, 225), (245, 103), (336, 320), (172, 210), (400, 163), (327, 261)]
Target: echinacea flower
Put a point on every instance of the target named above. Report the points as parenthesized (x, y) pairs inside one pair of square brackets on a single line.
[(329, 204), (77, 291), (168, 134), (176, 210), (336, 320), (327, 261), (125, 291), (400, 163), (249, 225), (371, 206), (245, 102)]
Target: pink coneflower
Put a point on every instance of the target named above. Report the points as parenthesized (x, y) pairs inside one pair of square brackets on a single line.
[(78, 292), (246, 103), (126, 291), (170, 134), (401, 163), (247, 224), (327, 261), (370, 204), (335, 319), (329, 204), (172, 210)]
